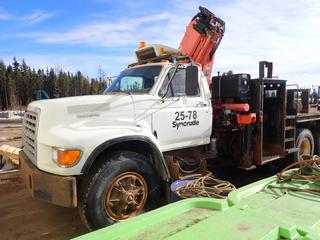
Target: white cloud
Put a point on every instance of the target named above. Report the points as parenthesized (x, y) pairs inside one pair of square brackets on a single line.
[(87, 63), (285, 32), (37, 16), (127, 3), (5, 15), (30, 19), (123, 32), (280, 31)]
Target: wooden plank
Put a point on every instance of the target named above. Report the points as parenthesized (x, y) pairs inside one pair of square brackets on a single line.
[(11, 153)]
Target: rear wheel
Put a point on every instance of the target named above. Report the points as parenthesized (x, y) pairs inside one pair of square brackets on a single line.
[(122, 186), (304, 143), (316, 143), (2, 161)]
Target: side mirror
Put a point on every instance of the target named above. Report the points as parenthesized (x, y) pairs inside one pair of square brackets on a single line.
[(192, 81)]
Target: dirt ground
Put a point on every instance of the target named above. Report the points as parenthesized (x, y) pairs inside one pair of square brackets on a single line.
[(22, 217), (12, 133)]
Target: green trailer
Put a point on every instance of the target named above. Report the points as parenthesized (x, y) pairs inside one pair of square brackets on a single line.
[(267, 209)]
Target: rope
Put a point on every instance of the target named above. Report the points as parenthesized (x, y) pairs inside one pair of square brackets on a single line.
[(206, 186), (313, 191), (309, 169), (195, 167)]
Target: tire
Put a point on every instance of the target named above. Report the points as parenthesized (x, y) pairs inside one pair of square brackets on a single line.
[(304, 142), (316, 143), (2, 161), (121, 177)]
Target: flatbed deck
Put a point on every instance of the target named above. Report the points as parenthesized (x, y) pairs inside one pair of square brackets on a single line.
[(313, 115)]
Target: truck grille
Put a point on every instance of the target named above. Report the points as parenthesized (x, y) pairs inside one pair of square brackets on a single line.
[(29, 134)]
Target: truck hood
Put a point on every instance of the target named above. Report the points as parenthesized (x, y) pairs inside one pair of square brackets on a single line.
[(100, 110)]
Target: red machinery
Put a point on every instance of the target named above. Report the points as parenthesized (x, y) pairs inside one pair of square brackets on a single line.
[(202, 38)]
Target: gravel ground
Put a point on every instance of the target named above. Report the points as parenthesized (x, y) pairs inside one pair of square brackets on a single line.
[(22, 217)]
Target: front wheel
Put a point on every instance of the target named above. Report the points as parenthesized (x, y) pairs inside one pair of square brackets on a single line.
[(123, 186)]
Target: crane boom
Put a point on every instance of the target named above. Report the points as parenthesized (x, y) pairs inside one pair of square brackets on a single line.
[(202, 38)]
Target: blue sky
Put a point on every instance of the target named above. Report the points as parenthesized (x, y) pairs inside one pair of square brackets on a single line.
[(83, 35)]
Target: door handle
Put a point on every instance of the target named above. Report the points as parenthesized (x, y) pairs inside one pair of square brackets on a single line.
[(201, 104)]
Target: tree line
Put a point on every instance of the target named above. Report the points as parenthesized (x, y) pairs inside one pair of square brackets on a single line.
[(19, 83)]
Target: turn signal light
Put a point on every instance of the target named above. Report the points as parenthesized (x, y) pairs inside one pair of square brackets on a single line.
[(68, 158)]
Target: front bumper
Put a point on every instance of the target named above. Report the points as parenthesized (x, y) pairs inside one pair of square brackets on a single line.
[(59, 190)]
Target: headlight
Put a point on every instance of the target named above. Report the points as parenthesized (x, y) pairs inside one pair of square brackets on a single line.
[(66, 157)]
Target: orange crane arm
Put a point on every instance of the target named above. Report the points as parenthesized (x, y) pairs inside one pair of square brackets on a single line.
[(202, 38)]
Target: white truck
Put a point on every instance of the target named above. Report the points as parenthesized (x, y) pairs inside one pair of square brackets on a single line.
[(105, 153), (109, 154)]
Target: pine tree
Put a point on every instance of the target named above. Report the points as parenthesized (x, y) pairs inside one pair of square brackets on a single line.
[(94, 86), (40, 77), (11, 87), (86, 87), (18, 81), (4, 101), (50, 83), (78, 83), (27, 87), (72, 86), (63, 83)]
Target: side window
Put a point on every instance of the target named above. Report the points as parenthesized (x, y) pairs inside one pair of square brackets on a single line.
[(164, 88), (177, 87), (179, 83)]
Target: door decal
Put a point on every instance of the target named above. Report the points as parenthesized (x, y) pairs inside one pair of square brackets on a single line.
[(185, 119)]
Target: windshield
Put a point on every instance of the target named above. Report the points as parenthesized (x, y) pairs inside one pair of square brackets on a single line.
[(138, 80)]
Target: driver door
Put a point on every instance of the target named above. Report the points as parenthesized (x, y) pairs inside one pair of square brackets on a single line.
[(179, 120)]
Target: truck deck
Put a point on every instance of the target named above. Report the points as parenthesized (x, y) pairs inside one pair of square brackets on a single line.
[(312, 115)]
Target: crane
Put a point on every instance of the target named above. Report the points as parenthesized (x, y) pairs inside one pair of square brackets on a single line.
[(202, 38)]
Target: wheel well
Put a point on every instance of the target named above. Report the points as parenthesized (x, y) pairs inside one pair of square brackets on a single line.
[(134, 146), (138, 146), (314, 127)]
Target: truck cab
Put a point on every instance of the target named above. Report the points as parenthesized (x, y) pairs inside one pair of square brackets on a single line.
[(113, 155), (164, 105), (105, 153)]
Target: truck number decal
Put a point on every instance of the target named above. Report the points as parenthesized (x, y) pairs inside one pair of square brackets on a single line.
[(185, 119)]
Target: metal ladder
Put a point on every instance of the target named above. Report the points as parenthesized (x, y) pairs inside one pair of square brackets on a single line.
[(290, 134)]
